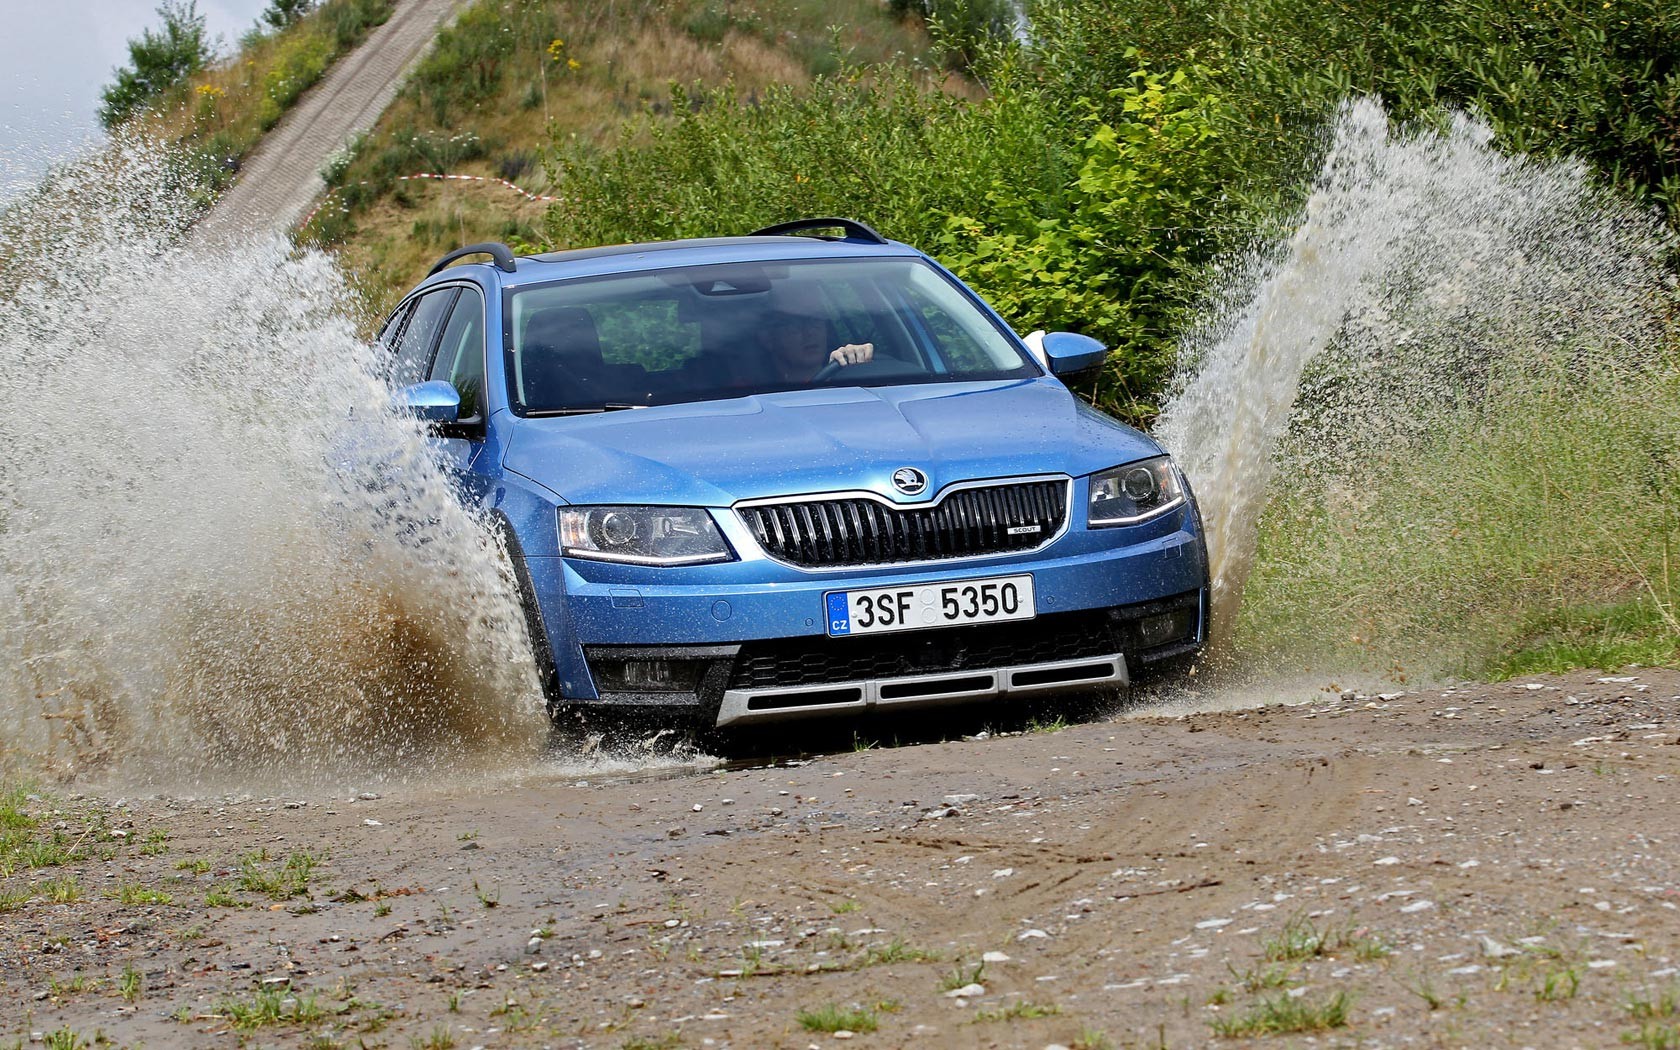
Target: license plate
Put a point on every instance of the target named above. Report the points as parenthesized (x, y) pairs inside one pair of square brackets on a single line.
[(930, 605)]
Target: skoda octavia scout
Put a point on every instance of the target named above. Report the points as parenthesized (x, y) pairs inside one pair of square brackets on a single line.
[(792, 474)]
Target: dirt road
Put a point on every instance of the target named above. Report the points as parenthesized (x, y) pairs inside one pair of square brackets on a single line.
[(282, 178), (1484, 867)]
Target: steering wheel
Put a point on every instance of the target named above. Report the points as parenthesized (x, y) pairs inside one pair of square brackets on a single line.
[(828, 371)]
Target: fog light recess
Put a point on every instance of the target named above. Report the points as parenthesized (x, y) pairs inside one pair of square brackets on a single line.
[(648, 676)]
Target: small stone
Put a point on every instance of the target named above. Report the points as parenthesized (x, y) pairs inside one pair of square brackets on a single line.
[(1003, 873), (1417, 906), (994, 957), (472, 845), (371, 823), (1384, 862), (1212, 924), (698, 807), (967, 991), (1492, 949), (539, 967), (960, 800), (1031, 935)]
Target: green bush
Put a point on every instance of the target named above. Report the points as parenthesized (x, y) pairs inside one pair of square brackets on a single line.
[(1115, 256), (963, 28), (1600, 81), (157, 61)]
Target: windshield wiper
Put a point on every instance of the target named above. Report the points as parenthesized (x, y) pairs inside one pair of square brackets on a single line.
[(611, 406)]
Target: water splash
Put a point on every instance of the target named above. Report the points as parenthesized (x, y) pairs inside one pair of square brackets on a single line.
[(197, 570), (1425, 265)]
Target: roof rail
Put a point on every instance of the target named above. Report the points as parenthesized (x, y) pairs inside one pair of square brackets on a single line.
[(855, 231), (500, 253)]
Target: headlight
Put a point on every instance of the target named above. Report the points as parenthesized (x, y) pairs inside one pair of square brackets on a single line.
[(1135, 492), (642, 535)]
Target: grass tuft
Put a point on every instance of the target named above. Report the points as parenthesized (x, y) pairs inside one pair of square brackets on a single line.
[(838, 1019), (1284, 1014), (1018, 1011)]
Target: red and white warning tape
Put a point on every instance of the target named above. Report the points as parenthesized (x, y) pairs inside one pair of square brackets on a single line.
[(432, 175)]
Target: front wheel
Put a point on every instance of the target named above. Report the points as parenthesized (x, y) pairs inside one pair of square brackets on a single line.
[(542, 653)]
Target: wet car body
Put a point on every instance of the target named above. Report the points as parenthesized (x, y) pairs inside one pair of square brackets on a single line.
[(943, 523)]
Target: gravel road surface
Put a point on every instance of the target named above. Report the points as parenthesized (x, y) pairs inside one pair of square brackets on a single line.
[(1483, 866)]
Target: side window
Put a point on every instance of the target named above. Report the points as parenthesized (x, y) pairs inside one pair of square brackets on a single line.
[(414, 345), (460, 358), (393, 327)]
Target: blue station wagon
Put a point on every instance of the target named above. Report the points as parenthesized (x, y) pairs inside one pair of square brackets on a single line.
[(798, 473)]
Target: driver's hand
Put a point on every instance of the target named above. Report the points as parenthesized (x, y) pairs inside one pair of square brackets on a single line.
[(853, 354)]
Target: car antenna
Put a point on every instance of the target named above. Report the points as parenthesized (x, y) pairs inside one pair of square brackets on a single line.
[(499, 252), (855, 231)]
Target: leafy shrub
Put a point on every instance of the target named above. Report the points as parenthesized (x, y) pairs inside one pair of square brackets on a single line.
[(158, 60), (963, 28), (281, 13), (1115, 256), (1600, 81)]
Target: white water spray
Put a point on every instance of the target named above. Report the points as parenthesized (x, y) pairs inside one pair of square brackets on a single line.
[(1424, 264), (198, 571)]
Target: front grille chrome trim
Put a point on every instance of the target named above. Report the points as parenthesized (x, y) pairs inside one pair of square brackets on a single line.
[(777, 704), (889, 526)]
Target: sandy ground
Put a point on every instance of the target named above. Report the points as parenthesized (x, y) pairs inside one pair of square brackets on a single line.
[(1487, 866)]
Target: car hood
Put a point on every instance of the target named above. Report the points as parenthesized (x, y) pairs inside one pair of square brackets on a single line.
[(714, 453)]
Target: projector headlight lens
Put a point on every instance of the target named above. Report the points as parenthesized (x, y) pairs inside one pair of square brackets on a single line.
[(642, 535), (1135, 492)]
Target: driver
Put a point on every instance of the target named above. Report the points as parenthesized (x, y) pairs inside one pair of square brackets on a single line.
[(796, 338)]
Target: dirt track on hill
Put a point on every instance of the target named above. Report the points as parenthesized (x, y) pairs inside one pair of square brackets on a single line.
[(1484, 867), (280, 180)]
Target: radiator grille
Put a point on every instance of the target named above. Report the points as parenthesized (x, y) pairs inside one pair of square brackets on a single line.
[(994, 519)]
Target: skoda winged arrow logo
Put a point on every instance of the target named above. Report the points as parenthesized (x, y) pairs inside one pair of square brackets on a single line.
[(909, 480)]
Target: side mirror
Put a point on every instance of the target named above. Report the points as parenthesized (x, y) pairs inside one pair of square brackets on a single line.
[(436, 401), (1070, 353)]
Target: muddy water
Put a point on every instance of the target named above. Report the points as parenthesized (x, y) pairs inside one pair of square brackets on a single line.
[(220, 552), (1423, 266)]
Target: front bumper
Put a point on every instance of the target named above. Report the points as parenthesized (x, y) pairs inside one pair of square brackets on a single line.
[(753, 631)]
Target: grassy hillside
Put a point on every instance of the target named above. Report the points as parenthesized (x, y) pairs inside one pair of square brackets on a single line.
[(219, 115), (511, 77)]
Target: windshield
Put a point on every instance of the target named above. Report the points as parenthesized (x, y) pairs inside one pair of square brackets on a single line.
[(696, 333)]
